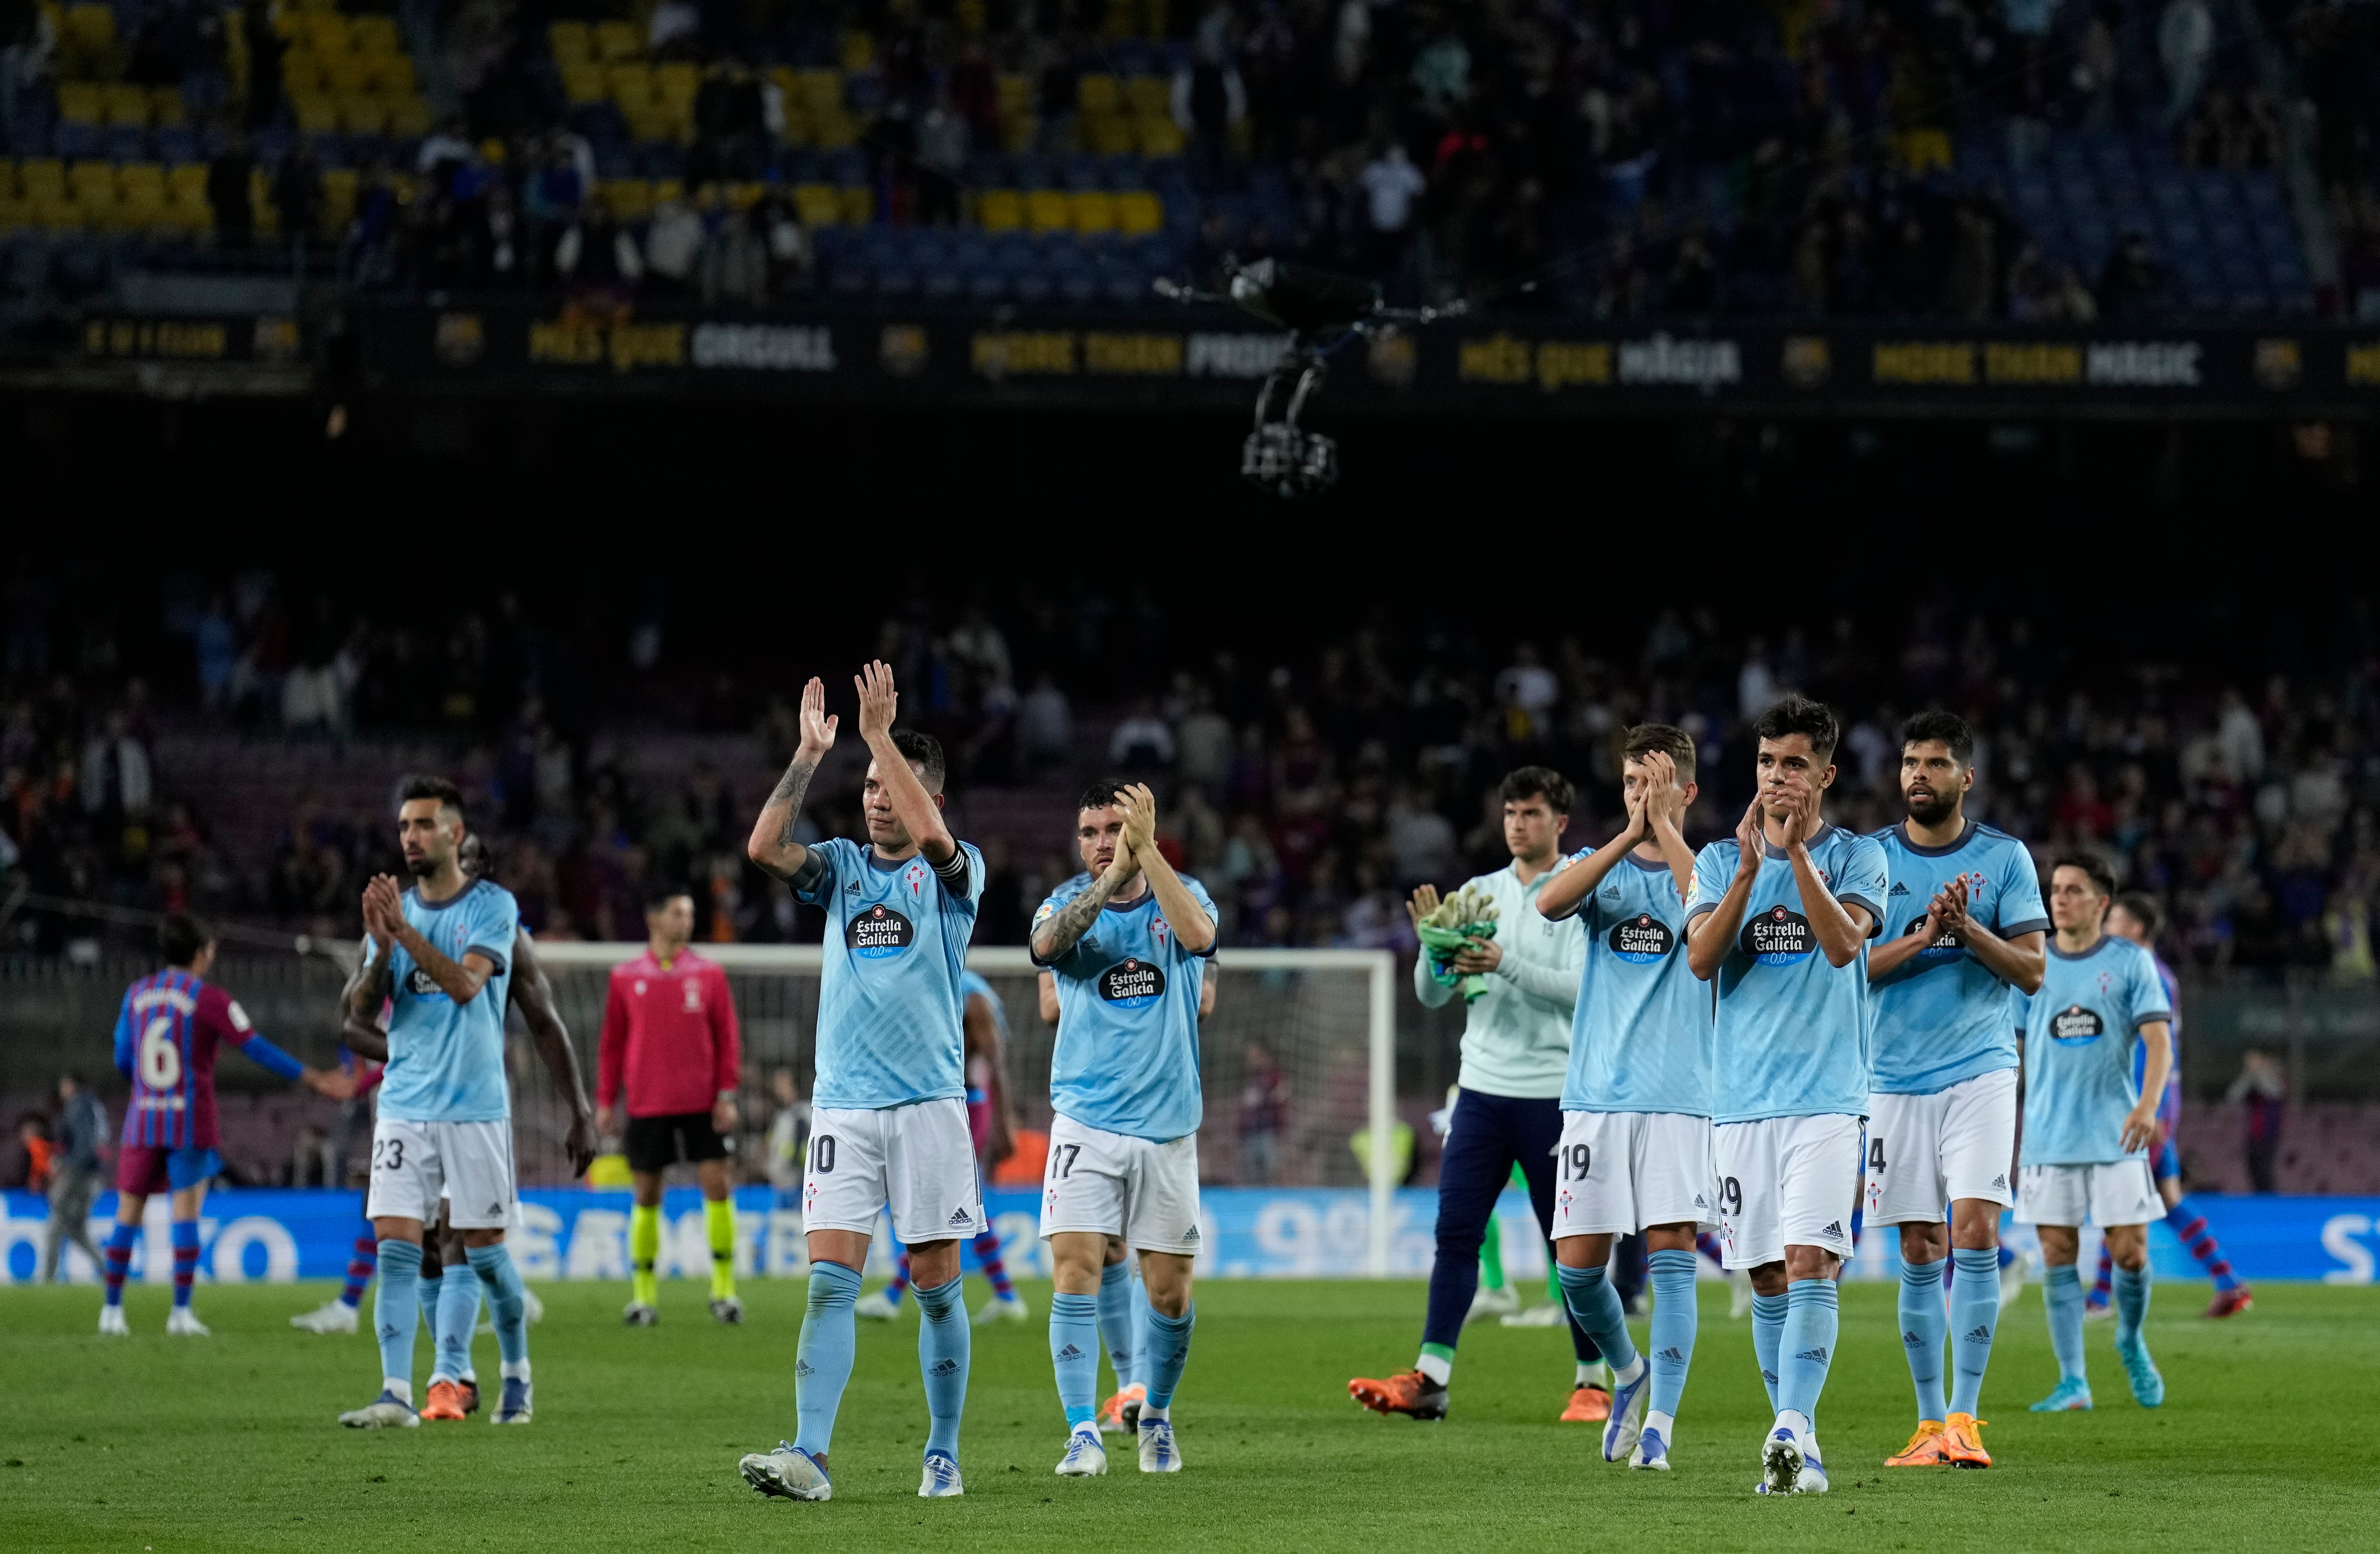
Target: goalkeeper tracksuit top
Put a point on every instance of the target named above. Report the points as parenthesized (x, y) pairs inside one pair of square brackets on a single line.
[(1516, 1034)]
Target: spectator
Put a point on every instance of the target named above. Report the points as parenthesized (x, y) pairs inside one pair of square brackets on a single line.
[(2264, 1086), (2133, 279), (77, 1168), (674, 244), (116, 772), (2185, 39), (789, 1140), (944, 142), (228, 176), (1391, 184), (1142, 742), (297, 197), (34, 1139), (1264, 1108), (1209, 101), (1045, 725), (1205, 740), (265, 48)]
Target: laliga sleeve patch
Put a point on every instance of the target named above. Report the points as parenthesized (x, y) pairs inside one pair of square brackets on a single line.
[(238, 1015)]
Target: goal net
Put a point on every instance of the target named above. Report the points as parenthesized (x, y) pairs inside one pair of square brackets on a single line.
[(1296, 1059)]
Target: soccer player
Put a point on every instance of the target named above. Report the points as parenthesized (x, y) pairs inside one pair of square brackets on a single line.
[(1636, 1151), (990, 1124), (1942, 1122), (1128, 951), (670, 1041), (440, 956), (2137, 916), (889, 1122), (168, 1032), (1508, 1110), (1779, 917), (2088, 1123)]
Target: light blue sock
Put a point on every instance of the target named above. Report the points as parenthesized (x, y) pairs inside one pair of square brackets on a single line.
[(1674, 1318), (2061, 1296), (508, 1307), (1807, 1346), (1595, 1305), (396, 1307), (1075, 1353), (1140, 1357), (1117, 1325), (1921, 1335), (1974, 1322), (1767, 1338), (459, 1312), (2131, 1302), (1165, 1343), (945, 1344), (822, 1362)]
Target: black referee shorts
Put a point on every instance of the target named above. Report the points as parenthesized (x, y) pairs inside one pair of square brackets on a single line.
[(655, 1144)]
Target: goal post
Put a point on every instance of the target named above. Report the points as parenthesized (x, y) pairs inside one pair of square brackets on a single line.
[(1326, 1019)]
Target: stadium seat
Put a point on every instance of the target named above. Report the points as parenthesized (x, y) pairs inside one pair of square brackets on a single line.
[(858, 204), (1099, 95), (1138, 213), (1158, 136), (571, 42), (1093, 211), (1046, 210), (1148, 96), (408, 117), (123, 104), (1001, 210), (315, 115), (363, 116), (374, 35), (392, 76), (817, 205), (124, 142), (78, 103), (616, 41)]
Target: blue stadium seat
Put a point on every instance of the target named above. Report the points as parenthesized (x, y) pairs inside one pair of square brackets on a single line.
[(846, 167), (2261, 190), (988, 170), (1080, 173), (29, 136), (1122, 172), (2169, 192), (986, 284), (1032, 285), (75, 141), (175, 144), (896, 283), (1034, 171), (659, 160), (863, 93), (125, 142), (614, 161), (2213, 189)]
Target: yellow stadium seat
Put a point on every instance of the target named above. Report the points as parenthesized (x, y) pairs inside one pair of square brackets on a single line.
[(141, 195), (1158, 136), (165, 105), (1099, 94), (329, 31), (667, 189), (1015, 95), (1093, 209), (259, 204), (632, 86), (1109, 136), (339, 185), (1148, 96), (290, 22), (363, 116), (88, 26), (858, 204), (817, 205), (304, 72), (91, 181), (393, 76), (858, 51), (628, 198), (187, 181), (1046, 210), (41, 176), (618, 40), (317, 115), (123, 105), (349, 73), (374, 35), (820, 90), (1001, 210), (1138, 212), (1018, 134), (582, 83), (408, 116), (834, 131), (742, 197), (676, 83), (78, 103), (571, 42)]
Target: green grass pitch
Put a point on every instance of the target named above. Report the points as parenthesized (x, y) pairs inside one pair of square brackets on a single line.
[(158, 1446)]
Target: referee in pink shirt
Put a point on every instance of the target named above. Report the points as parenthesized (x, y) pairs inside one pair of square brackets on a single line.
[(670, 1043)]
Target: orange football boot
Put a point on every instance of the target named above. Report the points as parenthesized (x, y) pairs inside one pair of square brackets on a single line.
[(1121, 1411), (1589, 1405), (2231, 1302), (1924, 1448), (445, 1401), (1962, 1442), (1411, 1393)]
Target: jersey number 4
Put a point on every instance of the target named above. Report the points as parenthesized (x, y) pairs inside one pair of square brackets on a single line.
[(1876, 1155), (161, 1060)]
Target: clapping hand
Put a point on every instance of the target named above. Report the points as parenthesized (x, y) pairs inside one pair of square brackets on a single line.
[(1424, 903), (818, 724), (878, 700)]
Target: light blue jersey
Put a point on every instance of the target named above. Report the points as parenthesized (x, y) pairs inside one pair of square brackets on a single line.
[(2079, 1032), (1127, 1057), (889, 1030), (1942, 1016), (1792, 1031), (1641, 1040), (446, 1061)]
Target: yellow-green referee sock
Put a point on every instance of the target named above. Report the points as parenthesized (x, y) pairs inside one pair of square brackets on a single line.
[(644, 1249), (719, 1220)]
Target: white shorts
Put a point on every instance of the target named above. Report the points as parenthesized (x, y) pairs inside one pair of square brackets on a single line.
[(468, 1164), (919, 1159), (1785, 1182), (1113, 1184), (2117, 1193), (1619, 1171), (1925, 1151)]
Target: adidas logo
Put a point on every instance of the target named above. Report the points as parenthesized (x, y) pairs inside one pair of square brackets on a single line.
[(1897, 889), (1671, 1356), (1769, 1377), (943, 1366), (1190, 1234), (1999, 1183), (495, 1209), (852, 889), (961, 1219), (1818, 1355), (1069, 1353), (1835, 1229), (1912, 1340), (1981, 1335), (803, 1367)]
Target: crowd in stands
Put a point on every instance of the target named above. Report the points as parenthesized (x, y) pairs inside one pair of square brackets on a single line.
[(1977, 159), (1311, 791)]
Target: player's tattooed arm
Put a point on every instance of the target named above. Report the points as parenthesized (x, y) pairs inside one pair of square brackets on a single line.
[(368, 988), (1069, 922), (772, 845)]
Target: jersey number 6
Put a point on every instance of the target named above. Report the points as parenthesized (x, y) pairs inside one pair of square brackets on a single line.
[(161, 1060)]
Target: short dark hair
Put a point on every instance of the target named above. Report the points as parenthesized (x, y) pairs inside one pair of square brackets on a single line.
[(1675, 743), (2146, 909), (661, 892), (1795, 713), (1937, 726), (448, 795), (1531, 781), (925, 752), (180, 936), (2102, 873), (1100, 794)]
